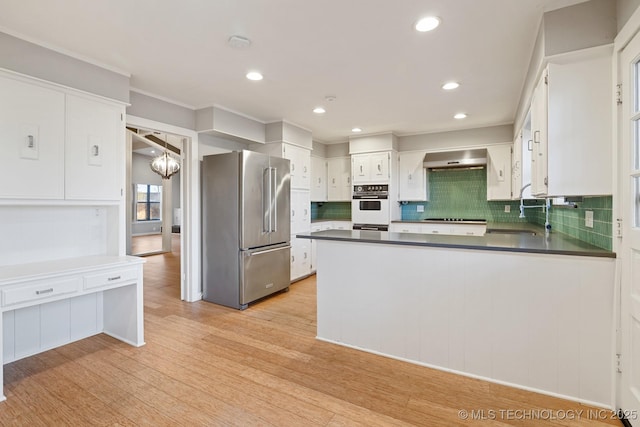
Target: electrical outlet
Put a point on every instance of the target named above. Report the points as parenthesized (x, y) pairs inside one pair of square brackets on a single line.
[(507, 208), (588, 219), (420, 208)]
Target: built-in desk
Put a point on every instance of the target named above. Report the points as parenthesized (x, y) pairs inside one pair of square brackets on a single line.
[(48, 304)]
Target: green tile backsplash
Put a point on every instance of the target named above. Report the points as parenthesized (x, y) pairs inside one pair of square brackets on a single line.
[(461, 193), (330, 210), (570, 221)]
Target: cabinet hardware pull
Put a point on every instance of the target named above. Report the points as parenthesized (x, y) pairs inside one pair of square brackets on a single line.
[(293, 258), (469, 233), (95, 150), (44, 291), (114, 278), (536, 137), (30, 142), (530, 145)]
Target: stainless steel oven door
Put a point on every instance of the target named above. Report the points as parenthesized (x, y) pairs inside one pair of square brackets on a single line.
[(370, 211)]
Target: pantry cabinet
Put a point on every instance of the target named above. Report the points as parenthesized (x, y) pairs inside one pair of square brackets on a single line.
[(339, 179), (371, 168), (318, 179), (571, 125), (499, 172), (412, 177)]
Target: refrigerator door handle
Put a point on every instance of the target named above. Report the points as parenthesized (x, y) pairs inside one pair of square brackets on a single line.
[(274, 199), (269, 250), (266, 200)]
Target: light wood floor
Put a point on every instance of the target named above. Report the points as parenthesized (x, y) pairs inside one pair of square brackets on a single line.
[(150, 243), (206, 365)]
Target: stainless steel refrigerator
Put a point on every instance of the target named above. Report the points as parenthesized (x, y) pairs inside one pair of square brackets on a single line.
[(245, 227)]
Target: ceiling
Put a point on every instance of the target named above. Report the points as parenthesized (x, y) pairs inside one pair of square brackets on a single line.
[(385, 76)]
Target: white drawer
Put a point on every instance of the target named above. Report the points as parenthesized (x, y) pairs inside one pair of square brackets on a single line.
[(39, 291), (113, 277)]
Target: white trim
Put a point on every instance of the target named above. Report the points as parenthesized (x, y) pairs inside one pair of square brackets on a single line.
[(229, 110), (190, 204), (26, 78), (65, 52), (444, 130), (161, 98), (289, 123)]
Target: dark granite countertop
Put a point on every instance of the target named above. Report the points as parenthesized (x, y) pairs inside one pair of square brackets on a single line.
[(500, 237)]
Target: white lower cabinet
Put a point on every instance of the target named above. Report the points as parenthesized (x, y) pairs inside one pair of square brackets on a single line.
[(300, 258), (438, 228)]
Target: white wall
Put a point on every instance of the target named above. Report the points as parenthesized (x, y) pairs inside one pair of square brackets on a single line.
[(457, 139)]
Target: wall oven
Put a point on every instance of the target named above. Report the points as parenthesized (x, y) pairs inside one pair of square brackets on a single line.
[(370, 207)]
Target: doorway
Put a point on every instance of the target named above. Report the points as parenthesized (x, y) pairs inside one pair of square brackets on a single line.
[(155, 202)]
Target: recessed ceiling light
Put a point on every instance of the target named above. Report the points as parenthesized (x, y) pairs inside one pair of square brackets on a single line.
[(153, 151), (450, 85), (319, 110), (356, 130), (254, 75), (427, 24), (460, 116)]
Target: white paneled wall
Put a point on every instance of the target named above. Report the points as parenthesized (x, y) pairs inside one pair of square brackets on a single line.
[(41, 233), (542, 322)]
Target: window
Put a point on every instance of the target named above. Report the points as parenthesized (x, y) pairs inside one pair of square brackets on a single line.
[(148, 202)]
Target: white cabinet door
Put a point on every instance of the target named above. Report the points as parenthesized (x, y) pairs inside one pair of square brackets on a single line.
[(412, 184), (94, 146), (371, 168), (571, 128), (339, 179), (360, 168), (300, 258), (300, 211), (32, 137), (539, 138), (300, 159), (499, 172), (318, 179), (380, 168), (341, 225), (405, 228)]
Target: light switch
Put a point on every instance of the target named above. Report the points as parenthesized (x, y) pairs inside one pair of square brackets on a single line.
[(588, 219), (420, 208), (507, 208)]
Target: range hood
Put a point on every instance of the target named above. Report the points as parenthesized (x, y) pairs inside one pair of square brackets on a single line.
[(456, 159)]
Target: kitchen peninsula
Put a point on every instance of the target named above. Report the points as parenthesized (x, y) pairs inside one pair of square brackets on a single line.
[(521, 309)]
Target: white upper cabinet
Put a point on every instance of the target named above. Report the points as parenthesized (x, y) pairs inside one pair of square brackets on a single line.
[(499, 172), (318, 179), (371, 168), (60, 145), (413, 184), (571, 128), (93, 153), (32, 137), (339, 179), (300, 159)]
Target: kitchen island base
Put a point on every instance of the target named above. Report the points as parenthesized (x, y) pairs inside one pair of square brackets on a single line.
[(539, 322)]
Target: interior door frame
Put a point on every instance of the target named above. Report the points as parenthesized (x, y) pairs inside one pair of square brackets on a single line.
[(620, 217), (190, 289)]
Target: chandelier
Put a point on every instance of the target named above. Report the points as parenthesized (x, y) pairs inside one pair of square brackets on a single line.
[(165, 164)]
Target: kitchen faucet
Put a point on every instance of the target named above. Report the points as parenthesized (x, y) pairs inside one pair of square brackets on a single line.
[(547, 205)]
